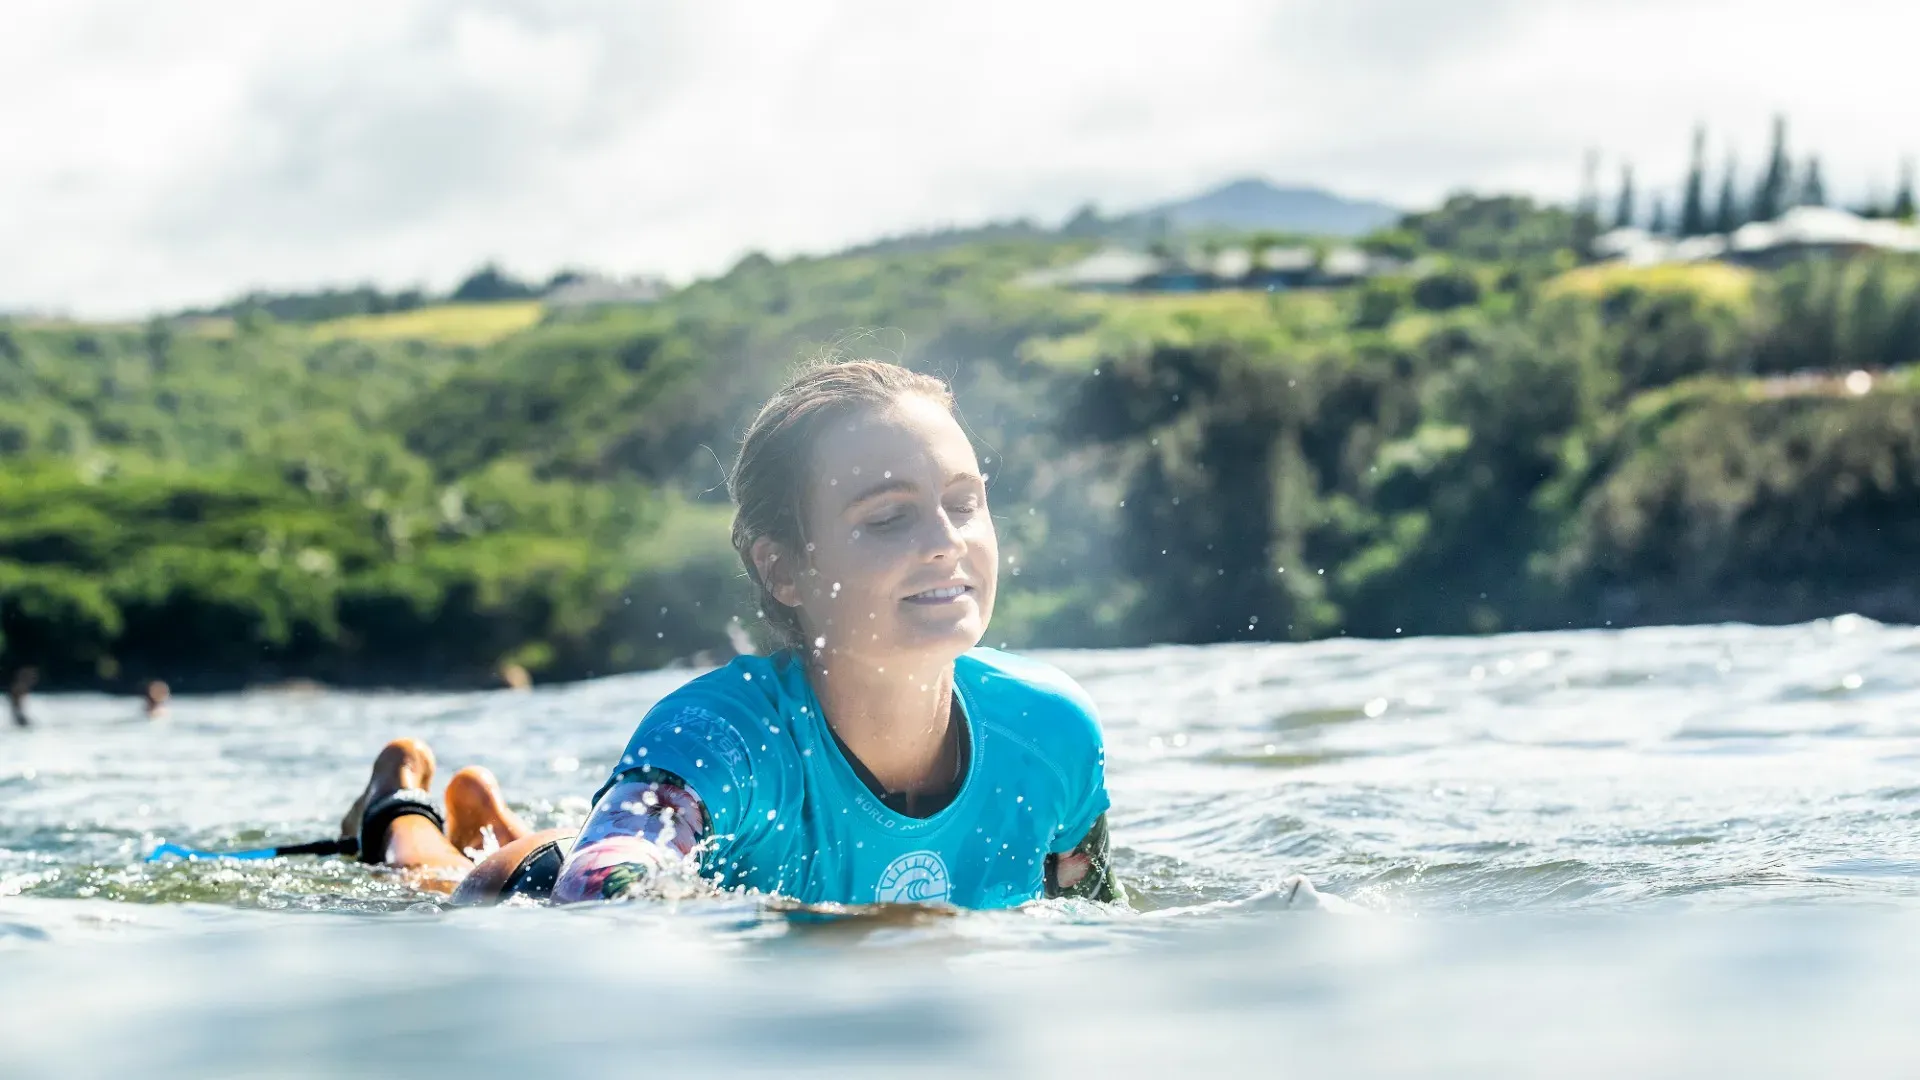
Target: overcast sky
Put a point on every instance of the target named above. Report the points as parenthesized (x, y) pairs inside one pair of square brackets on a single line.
[(160, 154)]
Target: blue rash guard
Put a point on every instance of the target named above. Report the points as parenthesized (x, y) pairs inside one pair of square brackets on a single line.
[(789, 815)]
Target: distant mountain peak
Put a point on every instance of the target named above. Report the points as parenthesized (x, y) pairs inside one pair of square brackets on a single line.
[(1253, 185), (1251, 203)]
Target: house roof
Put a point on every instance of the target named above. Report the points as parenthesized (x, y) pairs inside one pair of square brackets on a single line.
[(1346, 262), (1233, 263), (1284, 259), (1822, 226), (601, 290)]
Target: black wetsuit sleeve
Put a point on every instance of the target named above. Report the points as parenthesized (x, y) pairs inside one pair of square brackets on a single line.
[(1099, 883)]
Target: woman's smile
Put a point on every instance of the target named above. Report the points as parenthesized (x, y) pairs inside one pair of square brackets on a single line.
[(944, 595)]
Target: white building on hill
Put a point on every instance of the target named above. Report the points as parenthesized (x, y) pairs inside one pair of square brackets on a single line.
[(599, 291), (1124, 270), (1801, 231)]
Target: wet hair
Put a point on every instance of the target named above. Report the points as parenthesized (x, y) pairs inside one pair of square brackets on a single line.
[(771, 475)]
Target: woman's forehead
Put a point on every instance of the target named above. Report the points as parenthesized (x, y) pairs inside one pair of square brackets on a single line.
[(910, 435)]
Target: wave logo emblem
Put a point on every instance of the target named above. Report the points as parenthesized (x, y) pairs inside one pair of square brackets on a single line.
[(918, 877)]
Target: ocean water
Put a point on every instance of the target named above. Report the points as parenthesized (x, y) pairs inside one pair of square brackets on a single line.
[(1674, 851)]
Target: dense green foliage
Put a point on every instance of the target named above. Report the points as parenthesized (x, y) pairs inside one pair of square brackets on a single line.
[(1486, 444)]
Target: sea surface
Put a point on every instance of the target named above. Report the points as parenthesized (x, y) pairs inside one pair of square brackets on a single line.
[(1669, 851)]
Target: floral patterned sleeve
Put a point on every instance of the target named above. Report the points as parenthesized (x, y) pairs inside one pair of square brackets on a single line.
[(640, 829)]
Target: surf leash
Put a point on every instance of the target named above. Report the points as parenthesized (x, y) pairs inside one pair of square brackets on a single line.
[(345, 845)]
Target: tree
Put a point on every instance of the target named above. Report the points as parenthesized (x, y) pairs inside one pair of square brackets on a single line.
[(1813, 192), (1770, 198), (1903, 198), (488, 284), (1657, 224), (1624, 210), (1726, 217), (1447, 289), (1586, 212), (1085, 223), (1693, 206)]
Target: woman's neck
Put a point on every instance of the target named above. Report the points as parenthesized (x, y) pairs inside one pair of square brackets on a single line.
[(893, 717)]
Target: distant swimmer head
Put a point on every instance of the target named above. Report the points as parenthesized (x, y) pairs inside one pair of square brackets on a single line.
[(861, 515)]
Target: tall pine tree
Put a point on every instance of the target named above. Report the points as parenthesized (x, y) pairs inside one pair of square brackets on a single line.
[(1586, 214), (1903, 199), (1657, 224), (1693, 207), (1726, 217), (1770, 198), (1813, 191), (1623, 211)]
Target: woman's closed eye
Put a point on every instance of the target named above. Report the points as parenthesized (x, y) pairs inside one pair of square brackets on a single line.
[(888, 519)]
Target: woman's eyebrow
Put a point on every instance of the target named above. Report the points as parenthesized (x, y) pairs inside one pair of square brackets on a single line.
[(902, 484), (885, 487)]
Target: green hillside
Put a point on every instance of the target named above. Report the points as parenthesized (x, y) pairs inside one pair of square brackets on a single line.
[(1499, 441)]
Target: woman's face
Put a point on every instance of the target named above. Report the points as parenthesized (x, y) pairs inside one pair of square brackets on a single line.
[(902, 560)]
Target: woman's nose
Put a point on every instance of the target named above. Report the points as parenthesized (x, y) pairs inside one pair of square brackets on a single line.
[(944, 539)]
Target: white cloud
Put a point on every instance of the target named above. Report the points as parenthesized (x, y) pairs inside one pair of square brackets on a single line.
[(154, 155)]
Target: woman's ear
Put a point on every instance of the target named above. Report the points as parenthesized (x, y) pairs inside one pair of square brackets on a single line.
[(777, 571)]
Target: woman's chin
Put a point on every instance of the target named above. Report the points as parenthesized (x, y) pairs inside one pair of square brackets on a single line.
[(953, 635)]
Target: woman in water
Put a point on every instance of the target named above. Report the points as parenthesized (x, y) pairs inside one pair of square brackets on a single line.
[(878, 757)]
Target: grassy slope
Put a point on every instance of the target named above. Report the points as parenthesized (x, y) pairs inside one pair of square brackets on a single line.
[(443, 324)]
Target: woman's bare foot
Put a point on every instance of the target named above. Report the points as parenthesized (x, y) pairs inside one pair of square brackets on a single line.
[(402, 763), (475, 806)]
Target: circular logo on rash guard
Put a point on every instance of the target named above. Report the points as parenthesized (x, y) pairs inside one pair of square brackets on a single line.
[(918, 877)]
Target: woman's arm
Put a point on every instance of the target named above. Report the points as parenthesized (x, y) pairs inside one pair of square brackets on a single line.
[(639, 830)]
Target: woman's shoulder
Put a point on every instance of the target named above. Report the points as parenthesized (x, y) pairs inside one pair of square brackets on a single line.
[(723, 731), (1029, 696), (746, 686), (740, 703)]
